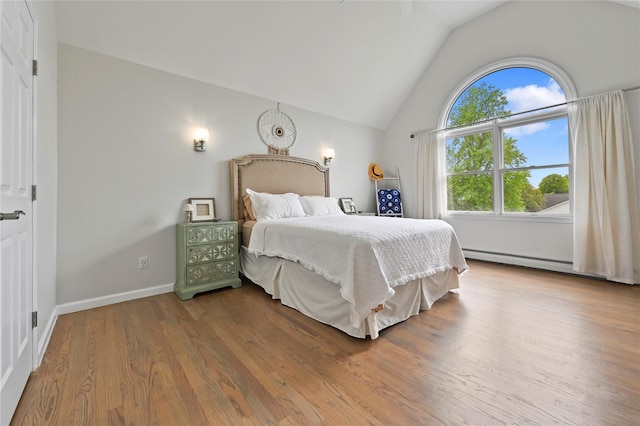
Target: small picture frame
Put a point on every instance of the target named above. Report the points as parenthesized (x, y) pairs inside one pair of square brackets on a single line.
[(204, 209), (348, 206)]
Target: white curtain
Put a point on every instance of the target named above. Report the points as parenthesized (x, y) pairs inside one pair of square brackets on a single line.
[(606, 239), (432, 178)]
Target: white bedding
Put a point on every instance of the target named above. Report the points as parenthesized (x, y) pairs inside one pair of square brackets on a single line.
[(367, 256)]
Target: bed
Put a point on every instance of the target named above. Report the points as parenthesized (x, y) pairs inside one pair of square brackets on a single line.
[(296, 258)]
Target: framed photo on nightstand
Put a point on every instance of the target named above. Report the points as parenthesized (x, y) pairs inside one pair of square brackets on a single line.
[(204, 209), (348, 206)]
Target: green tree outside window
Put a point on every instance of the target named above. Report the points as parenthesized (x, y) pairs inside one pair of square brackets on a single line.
[(473, 154)]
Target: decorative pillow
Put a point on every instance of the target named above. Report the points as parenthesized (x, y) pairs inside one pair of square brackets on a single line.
[(320, 206), (275, 206), (248, 208), (390, 201)]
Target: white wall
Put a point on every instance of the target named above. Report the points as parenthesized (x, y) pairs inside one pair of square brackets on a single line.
[(596, 43), (127, 165), (45, 173)]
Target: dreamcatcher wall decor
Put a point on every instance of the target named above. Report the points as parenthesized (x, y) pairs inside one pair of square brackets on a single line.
[(277, 131)]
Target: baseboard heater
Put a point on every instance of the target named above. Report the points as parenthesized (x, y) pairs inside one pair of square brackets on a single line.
[(528, 261)]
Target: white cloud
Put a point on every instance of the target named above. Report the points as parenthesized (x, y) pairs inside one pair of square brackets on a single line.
[(533, 96)]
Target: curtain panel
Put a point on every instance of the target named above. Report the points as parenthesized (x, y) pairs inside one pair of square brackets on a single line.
[(432, 178), (606, 230)]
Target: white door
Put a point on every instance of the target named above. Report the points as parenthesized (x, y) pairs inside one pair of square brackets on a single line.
[(16, 115)]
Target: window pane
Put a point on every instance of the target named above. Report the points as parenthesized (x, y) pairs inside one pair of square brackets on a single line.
[(470, 192), (504, 92), (544, 191), (537, 144), (473, 153)]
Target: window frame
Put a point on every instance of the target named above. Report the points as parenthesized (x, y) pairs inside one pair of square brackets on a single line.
[(497, 127)]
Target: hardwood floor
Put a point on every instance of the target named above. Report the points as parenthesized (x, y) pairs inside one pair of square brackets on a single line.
[(511, 346)]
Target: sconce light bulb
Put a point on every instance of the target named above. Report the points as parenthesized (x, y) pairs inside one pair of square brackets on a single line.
[(202, 134)]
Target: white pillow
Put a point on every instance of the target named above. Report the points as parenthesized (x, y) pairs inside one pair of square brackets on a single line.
[(275, 206), (320, 206)]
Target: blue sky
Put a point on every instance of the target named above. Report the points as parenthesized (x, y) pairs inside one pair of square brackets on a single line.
[(542, 143)]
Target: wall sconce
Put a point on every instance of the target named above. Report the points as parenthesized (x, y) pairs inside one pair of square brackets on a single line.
[(188, 209), (201, 136), (328, 156)]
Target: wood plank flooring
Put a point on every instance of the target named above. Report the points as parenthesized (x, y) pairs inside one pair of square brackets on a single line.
[(511, 346)]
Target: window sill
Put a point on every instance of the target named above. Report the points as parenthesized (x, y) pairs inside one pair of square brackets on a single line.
[(514, 217)]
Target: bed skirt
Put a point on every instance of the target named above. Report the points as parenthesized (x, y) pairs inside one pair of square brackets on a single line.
[(311, 294)]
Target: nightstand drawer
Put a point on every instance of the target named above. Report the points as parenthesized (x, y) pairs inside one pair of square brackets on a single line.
[(210, 252), (206, 272), (206, 234)]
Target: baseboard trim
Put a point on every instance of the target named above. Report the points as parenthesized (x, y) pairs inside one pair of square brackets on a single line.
[(96, 302), (529, 262), (45, 337)]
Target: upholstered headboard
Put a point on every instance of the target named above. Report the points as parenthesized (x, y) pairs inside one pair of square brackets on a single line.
[(276, 174)]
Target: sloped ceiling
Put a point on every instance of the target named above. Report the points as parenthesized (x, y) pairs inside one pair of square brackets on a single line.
[(354, 60)]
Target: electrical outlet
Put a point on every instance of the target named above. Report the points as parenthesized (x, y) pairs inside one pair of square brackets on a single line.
[(143, 262)]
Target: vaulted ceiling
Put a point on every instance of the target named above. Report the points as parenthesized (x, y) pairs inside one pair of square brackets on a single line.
[(355, 60)]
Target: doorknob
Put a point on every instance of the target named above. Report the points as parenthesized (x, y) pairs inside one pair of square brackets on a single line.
[(11, 216)]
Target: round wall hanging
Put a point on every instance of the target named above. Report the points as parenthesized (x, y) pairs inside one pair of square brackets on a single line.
[(277, 130)]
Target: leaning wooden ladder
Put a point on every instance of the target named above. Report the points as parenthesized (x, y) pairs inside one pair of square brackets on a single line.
[(389, 196)]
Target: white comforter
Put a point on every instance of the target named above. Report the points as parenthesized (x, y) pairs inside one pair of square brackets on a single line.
[(367, 256)]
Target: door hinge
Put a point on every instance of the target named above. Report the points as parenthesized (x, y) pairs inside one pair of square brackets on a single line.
[(34, 319), (35, 67), (34, 191)]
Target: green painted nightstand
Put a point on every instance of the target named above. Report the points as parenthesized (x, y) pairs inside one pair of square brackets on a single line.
[(207, 257)]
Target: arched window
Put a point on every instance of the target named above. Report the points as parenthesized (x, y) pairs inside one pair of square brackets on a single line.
[(507, 141)]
